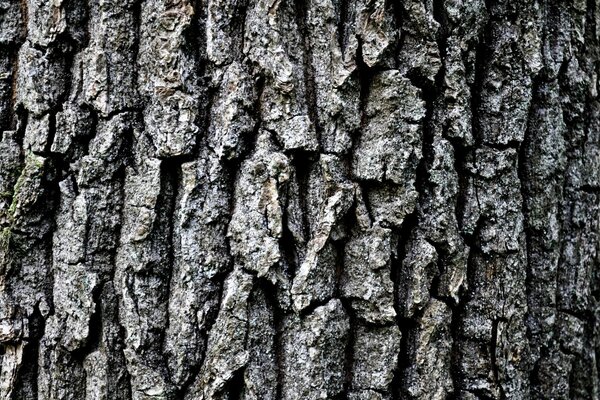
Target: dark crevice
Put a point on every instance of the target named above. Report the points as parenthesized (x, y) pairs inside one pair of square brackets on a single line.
[(364, 75), (493, 356), (338, 250), (525, 179), (170, 171), (396, 10), (8, 119), (511, 144), (136, 16), (407, 229), (26, 381), (457, 322), (24, 7), (126, 153), (435, 289), (591, 41), (303, 163), (270, 292), (95, 327), (432, 95), (22, 118), (589, 189), (51, 132), (77, 22), (66, 50), (287, 244), (349, 349), (344, 16), (314, 305), (234, 388), (482, 54), (408, 328), (464, 156)]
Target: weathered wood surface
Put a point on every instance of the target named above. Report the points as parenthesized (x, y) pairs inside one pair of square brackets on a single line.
[(269, 199)]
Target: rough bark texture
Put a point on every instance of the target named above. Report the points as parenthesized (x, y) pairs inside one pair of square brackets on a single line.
[(320, 199)]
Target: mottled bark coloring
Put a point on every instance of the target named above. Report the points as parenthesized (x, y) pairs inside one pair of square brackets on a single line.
[(299, 199)]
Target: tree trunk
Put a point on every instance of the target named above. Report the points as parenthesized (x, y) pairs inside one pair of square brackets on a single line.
[(320, 199)]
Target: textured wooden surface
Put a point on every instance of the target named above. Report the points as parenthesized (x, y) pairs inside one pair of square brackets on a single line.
[(320, 199)]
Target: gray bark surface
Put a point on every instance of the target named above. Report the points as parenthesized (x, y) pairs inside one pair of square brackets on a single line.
[(279, 199)]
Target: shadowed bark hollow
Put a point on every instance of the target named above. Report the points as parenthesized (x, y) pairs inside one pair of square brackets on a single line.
[(299, 199)]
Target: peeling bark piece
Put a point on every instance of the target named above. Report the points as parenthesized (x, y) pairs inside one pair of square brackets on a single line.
[(26, 209), (506, 86), (389, 148), (390, 204), (376, 31), (439, 224), (72, 123), (46, 21), (232, 122), (256, 223), (141, 277), (203, 211), (73, 301), (337, 90), (226, 350), (430, 350), (497, 179), (37, 134), (457, 94), (314, 348), (224, 31), (167, 77), (465, 24), (107, 84), (366, 279), (13, 326), (390, 145), (9, 172), (375, 357), (273, 42), (315, 280), (25, 248), (11, 361), (41, 81), (419, 268), (419, 55), (260, 375), (200, 255)]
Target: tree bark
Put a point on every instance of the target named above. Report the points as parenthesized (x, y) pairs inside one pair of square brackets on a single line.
[(278, 199)]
